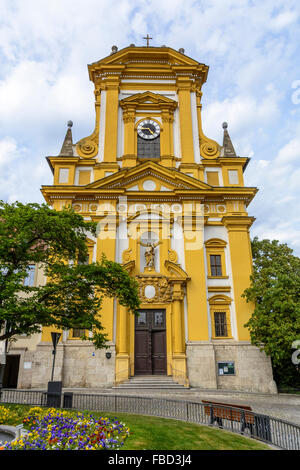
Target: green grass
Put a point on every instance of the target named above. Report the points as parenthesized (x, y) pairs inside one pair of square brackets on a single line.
[(151, 433)]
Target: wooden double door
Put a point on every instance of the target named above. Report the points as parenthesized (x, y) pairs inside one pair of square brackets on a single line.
[(150, 343)]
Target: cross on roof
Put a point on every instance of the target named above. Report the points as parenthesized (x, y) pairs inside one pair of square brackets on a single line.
[(147, 38)]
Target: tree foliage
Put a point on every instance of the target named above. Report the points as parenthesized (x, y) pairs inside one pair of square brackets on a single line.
[(275, 290), (73, 294)]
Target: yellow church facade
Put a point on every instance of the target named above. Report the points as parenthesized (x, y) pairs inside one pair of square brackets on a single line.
[(172, 208)]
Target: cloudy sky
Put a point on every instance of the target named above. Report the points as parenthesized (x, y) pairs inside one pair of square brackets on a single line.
[(251, 46)]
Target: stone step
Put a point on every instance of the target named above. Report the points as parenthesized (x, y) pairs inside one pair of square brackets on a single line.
[(150, 387), (151, 376), (160, 378), (158, 382), (150, 382)]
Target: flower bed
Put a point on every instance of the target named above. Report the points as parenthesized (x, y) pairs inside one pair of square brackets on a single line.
[(3, 414), (53, 429)]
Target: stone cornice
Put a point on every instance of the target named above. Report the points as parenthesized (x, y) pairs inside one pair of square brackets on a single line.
[(237, 223)]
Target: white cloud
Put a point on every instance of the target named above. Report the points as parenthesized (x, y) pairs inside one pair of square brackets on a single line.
[(289, 153), (286, 234), (263, 164), (243, 112), (8, 151), (276, 204), (284, 19), (21, 173)]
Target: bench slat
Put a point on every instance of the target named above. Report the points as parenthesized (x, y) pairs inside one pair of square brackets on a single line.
[(230, 414)]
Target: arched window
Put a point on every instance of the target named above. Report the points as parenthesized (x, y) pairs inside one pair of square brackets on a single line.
[(215, 255), (220, 316)]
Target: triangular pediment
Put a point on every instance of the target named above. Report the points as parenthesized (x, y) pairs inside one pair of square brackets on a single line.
[(149, 176), (148, 97)]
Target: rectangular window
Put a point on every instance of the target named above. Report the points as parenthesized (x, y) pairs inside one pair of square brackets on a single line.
[(63, 175), (233, 177), (148, 148), (215, 265), (220, 324), (29, 279), (158, 318), (212, 178), (142, 318), (77, 332)]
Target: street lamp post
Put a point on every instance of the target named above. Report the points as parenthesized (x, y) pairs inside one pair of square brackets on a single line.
[(54, 388), (2, 367), (3, 360), (55, 339)]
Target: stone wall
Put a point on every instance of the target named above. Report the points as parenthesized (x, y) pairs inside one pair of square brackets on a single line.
[(42, 365), (86, 367), (253, 370), (77, 364), (25, 366), (201, 365)]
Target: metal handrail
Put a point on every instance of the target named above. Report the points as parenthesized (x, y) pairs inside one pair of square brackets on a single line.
[(273, 431)]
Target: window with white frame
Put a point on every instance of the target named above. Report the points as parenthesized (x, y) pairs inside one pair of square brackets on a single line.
[(63, 175), (233, 177)]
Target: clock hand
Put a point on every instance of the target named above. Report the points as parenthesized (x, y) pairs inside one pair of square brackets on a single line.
[(148, 129)]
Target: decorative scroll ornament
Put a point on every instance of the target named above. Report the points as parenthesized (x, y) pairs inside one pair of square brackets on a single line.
[(162, 289), (172, 256), (209, 149), (87, 147)]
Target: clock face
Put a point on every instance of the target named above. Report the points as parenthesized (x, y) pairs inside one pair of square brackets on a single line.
[(148, 129)]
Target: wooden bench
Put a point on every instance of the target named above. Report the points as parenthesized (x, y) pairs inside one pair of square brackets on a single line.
[(219, 411)]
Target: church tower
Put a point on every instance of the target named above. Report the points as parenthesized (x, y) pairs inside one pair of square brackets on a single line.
[(171, 207)]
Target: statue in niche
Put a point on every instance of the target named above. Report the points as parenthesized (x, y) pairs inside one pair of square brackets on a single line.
[(150, 252)]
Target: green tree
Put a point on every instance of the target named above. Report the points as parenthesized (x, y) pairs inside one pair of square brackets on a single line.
[(275, 290), (72, 297)]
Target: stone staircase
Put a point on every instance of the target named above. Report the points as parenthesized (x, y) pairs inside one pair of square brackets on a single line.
[(153, 382)]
